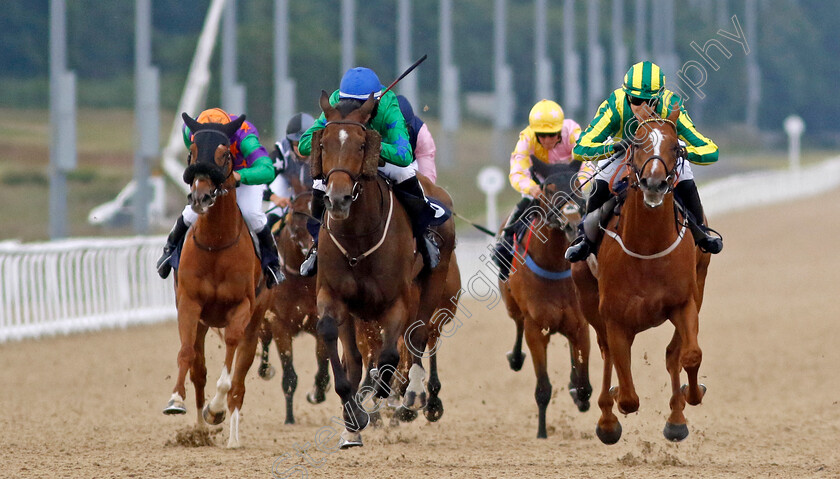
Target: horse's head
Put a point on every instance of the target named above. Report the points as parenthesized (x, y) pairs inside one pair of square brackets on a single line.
[(299, 213), (210, 166), (654, 154), (559, 197), (344, 152)]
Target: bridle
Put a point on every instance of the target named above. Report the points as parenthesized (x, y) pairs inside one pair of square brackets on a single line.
[(671, 175), (220, 189), (354, 177)]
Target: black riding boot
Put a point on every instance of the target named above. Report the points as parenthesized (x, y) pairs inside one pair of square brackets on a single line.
[(176, 237), (686, 193), (270, 260), (414, 201), (503, 254), (310, 264), (582, 246)]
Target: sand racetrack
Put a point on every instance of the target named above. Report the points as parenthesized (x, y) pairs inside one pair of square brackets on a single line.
[(89, 406)]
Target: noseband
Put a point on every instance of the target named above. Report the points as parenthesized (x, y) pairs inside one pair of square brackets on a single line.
[(354, 177)]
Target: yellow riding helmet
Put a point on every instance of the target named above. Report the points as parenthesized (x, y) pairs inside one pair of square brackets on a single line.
[(546, 117), (214, 115)]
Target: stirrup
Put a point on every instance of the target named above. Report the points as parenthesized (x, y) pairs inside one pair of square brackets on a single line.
[(579, 250), (163, 266), (310, 264), (273, 276), (429, 250)]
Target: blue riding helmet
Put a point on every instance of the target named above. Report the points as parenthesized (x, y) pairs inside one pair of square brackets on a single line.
[(358, 83)]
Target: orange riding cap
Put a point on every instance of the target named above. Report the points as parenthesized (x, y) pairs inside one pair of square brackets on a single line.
[(214, 115)]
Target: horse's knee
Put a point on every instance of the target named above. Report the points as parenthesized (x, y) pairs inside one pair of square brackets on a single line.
[(327, 328), (186, 355), (543, 393), (290, 380), (691, 358), (389, 357)]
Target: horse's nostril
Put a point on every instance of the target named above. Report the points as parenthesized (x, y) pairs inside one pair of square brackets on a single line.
[(347, 199), (644, 182), (663, 185)]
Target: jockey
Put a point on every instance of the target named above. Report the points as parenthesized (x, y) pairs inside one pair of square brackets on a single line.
[(356, 85), (422, 143), (252, 169), (643, 83), (288, 162), (549, 137)]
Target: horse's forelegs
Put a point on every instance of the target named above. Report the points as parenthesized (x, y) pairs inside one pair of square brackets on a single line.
[(266, 370), (198, 373), (434, 407), (415, 393), (244, 359), (355, 419), (675, 427), (516, 357), (608, 429), (322, 376), (290, 379), (538, 344), (188, 313), (619, 341), (686, 322), (579, 387)]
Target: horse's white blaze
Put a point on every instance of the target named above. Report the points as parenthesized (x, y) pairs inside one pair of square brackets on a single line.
[(222, 387), (415, 379), (233, 440), (656, 138), (342, 136)]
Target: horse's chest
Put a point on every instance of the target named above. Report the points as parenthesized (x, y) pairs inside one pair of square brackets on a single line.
[(642, 293), (367, 292)]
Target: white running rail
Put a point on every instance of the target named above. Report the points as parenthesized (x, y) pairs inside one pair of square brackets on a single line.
[(76, 285)]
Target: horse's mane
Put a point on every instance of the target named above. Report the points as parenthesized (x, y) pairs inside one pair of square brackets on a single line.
[(347, 106)]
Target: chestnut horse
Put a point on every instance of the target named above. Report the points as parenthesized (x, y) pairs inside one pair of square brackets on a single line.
[(368, 267), (219, 282), (539, 293), (292, 308), (647, 273)]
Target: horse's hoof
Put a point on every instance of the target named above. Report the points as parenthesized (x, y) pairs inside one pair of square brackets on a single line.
[(684, 391), (434, 409), (267, 372), (405, 414), (414, 401), (675, 432), (515, 360), (350, 439), (290, 420), (609, 437), (174, 407), (580, 398), (315, 397), (212, 418)]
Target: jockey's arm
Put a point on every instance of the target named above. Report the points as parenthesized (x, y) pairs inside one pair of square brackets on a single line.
[(590, 145), (261, 170), (425, 153), (520, 164), (305, 143), (701, 150), (390, 123)]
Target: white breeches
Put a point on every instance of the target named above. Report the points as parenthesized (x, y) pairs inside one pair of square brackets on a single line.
[(607, 170), (249, 199), (395, 173)]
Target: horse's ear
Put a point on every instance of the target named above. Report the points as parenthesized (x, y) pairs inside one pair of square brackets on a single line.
[(315, 167), (231, 128), (191, 123), (325, 104), (373, 143), (367, 108), (674, 112)]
